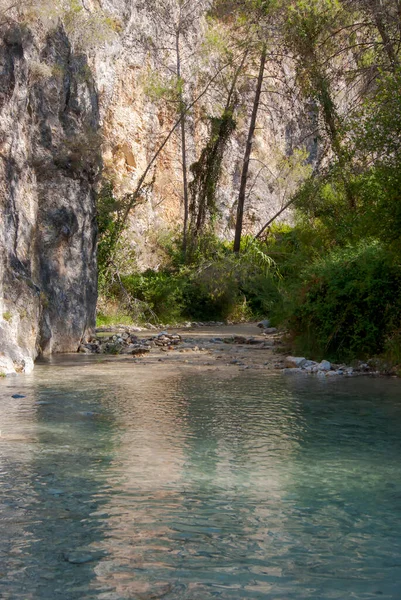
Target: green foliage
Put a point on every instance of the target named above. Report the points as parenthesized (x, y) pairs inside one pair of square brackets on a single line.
[(348, 303), (158, 87), (7, 316), (215, 41), (161, 294), (108, 228), (215, 285), (117, 318), (207, 170)]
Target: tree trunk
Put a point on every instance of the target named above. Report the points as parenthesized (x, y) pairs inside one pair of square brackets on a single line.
[(270, 221), (183, 113), (211, 158), (248, 152), (378, 11)]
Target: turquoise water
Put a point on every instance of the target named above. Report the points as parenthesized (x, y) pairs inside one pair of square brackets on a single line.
[(125, 482)]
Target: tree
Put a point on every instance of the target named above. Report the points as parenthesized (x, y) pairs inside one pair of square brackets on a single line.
[(248, 151), (317, 33), (386, 16), (222, 120), (260, 15), (178, 24)]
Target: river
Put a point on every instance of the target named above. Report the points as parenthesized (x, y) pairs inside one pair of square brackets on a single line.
[(122, 481)]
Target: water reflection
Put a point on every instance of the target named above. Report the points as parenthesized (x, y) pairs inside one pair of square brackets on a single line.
[(126, 484)]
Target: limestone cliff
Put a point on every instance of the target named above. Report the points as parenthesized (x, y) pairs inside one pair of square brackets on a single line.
[(49, 121), (134, 124)]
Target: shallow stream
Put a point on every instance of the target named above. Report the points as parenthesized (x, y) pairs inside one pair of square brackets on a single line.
[(120, 481)]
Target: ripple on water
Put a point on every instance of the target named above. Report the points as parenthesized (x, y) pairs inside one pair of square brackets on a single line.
[(122, 483)]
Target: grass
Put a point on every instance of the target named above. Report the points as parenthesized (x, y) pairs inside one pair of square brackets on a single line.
[(103, 320)]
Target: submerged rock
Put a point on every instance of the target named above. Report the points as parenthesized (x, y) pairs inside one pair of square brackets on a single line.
[(76, 558), (55, 492)]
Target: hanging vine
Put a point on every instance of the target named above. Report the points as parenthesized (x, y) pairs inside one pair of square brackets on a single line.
[(207, 170)]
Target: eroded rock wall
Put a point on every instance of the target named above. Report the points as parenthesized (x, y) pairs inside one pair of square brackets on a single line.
[(49, 121), (134, 125)]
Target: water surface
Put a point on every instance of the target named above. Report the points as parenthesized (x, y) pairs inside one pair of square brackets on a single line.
[(121, 481)]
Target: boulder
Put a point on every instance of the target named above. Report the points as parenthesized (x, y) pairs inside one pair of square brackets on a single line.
[(294, 362), (325, 365), (83, 349)]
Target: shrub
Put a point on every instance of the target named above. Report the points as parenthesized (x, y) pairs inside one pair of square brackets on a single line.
[(161, 294), (348, 304), (214, 284), (40, 71)]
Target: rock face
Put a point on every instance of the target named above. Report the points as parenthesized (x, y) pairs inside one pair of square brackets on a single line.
[(134, 124), (49, 159)]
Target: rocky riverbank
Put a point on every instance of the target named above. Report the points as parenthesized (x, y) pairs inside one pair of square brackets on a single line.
[(242, 347), (245, 346)]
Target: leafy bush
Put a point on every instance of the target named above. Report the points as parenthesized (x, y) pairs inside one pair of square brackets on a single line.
[(211, 283), (160, 292), (348, 304)]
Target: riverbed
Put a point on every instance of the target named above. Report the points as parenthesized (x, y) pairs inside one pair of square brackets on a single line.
[(121, 479)]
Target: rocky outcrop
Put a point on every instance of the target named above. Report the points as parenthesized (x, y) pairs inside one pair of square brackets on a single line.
[(49, 159)]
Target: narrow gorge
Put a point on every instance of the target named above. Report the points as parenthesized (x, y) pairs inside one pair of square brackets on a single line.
[(77, 109)]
